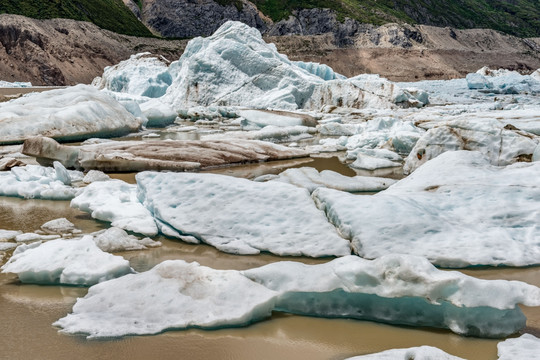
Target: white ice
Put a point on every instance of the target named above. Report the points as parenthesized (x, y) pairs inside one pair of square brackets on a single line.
[(525, 347), (399, 289), (416, 353), (70, 114), (457, 210), (115, 239), (71, 262), (240, 216), (172, 295)]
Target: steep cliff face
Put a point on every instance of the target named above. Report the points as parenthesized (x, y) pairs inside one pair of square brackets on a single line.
[(190, 18)]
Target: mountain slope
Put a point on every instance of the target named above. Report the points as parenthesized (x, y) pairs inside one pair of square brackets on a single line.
[(108, 14), (516, 17)]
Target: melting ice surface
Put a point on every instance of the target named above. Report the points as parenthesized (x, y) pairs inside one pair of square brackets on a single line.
[(399, 289), (526, 346), (456, 210), (416, 353)]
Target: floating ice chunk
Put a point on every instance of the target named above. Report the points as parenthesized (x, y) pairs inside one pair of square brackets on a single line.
[(416, 353), (35, 182), (378, 153), (478, 81), (269, 133), (158, 113), (526, 346), (74, 113), (7, 162), (116, 202), (338, 129), (172, 295), (7, 235), (264, 118), (60, 226), (367, 162), (95, 175), (323, 71), (399, 289), (5, 246), (142, 74), (536, 75), (31, 237), (446, 211), (240, 216), (235, 66), (70, 262), (502, 144), (311, 179), (16, 84), (115, 239)]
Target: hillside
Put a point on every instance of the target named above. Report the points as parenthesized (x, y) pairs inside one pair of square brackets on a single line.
[(108, 14), (516, 17)]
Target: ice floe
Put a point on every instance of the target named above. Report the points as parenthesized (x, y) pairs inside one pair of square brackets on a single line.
[(142, 74), (61, 226), (416, 353), (457, 210), (38, 182), (178, 155), (116, 201), (71, 262), (310, 179), (399, 289), (70, 114), (526, 346), (115, 239), (172, 295), (240, 216)]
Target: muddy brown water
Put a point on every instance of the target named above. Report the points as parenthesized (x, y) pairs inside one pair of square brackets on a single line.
[(29, 310)]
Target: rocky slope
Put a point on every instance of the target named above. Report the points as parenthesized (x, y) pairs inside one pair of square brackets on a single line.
[(65, 52)]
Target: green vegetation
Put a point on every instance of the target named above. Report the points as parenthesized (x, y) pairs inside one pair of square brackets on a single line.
[(108, 14), (516, 17)]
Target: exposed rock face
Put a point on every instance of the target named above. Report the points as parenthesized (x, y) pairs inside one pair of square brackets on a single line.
[(133, 7), (190, 18), (67, 52)]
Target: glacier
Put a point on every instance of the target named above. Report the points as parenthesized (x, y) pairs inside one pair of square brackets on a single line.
[(399, 289), (172, 295), (457, 210)]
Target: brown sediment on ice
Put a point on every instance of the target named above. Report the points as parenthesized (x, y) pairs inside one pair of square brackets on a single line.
[(173, 155)]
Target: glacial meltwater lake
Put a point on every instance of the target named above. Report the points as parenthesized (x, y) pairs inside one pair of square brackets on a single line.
[(29, 310)]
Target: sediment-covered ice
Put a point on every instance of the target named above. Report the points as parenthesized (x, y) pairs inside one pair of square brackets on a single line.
[(399, 289), (177, 155), (70, 262), (38, 182), (310, 179), (115, 239), (240, 216), (234, 66), (457, 210), (416, 353), (526, 346), (142, 74), (116, 201), (172, 295), (70, 114), (501, 143)]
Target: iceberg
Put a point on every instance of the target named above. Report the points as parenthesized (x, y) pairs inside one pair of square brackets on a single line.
[(142, 75), (240, 216), (234, 66), (457, 210), (70, 262), (416, 353), (526, 346), (172, 295), (399, 289), (16, 84), (71, 114), (501, 143), (310, 179)]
